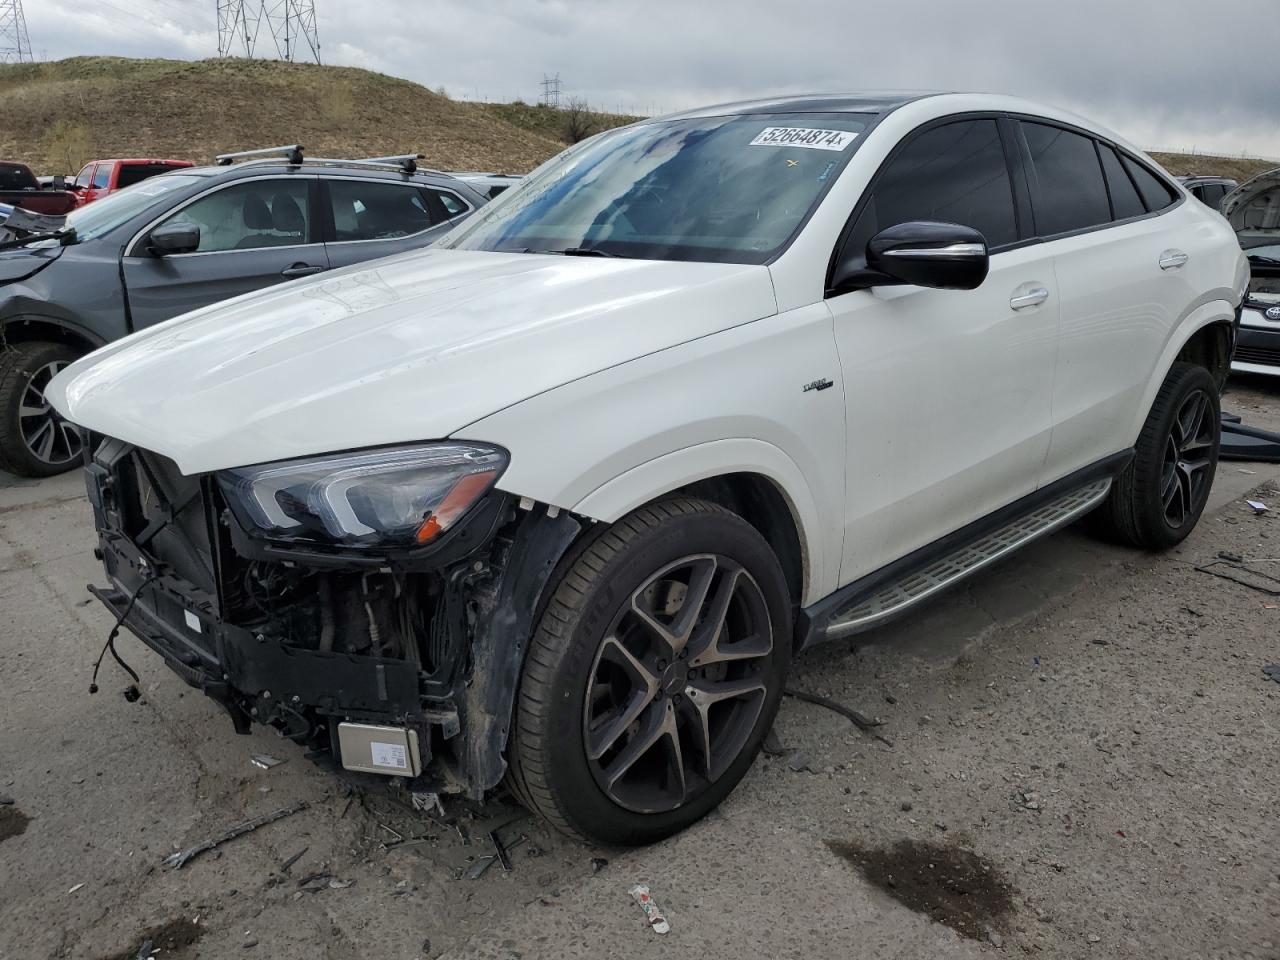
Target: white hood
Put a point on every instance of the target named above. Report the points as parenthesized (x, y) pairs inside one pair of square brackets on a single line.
[(1253, 208), (410, 348)]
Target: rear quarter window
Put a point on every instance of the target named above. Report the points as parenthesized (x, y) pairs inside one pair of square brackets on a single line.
[(1124, 195), (1069, 192), (1156, 194)]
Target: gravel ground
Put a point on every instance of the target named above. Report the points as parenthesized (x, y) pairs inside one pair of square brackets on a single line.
[(1081, 762)]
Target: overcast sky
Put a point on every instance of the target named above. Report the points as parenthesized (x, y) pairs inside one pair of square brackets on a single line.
[(1164, 74)]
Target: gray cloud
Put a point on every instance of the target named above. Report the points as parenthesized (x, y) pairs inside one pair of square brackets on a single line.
[(1176, 73)]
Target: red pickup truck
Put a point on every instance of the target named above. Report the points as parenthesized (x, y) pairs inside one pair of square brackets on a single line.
[(100, 177), (19, 187)]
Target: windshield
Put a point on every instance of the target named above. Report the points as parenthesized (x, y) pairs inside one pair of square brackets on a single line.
[(725, 189), (95, 219)]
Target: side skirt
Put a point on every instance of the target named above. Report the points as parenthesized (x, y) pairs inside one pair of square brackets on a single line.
[(893, 590)]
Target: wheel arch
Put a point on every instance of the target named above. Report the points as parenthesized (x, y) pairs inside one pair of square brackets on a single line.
[(1205, 337), (29, 328), (752, 478)]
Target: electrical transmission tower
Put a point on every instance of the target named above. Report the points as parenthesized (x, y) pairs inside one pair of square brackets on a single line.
[(15, 45), (551, 90), (291, 23)]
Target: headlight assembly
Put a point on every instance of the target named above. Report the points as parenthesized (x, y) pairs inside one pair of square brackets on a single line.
[(371, 499)]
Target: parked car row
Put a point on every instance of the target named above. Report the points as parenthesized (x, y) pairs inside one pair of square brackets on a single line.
[(554, 502), (181, 241)]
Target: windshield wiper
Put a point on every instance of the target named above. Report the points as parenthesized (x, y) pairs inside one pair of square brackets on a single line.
[(1260, 258), (64, 237), (586, 252)]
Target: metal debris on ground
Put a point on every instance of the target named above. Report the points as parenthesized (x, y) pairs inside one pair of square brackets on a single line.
[(265, 762), (1257, 506), (860, 720), (284, 867), (177, 860), (598, 864), (427, 802), (1239, 572), (340, 884), (75, 888), (657, 922), (145, 951), (1272, 671)]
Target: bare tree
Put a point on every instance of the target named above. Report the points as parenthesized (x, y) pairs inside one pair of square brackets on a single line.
[(579, 120)]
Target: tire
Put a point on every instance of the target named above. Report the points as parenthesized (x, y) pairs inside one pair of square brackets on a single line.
[(1139, 510), (25, 368), (591, 639)]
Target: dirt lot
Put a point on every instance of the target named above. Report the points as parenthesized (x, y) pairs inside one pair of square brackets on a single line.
[(1081, 761)]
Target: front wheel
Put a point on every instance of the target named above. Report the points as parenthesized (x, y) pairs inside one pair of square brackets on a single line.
[(654, 675), (34, 439), (1157, 500)]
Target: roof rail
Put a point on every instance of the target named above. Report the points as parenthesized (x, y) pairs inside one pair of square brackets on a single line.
[(293, 152), (408, 162)]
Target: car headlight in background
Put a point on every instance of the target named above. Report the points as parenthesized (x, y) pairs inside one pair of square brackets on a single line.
[(388, 497)]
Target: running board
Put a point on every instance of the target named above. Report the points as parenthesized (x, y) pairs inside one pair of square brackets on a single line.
[(864, 611)]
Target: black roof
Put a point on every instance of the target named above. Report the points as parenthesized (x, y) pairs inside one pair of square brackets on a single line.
[(875, 103)]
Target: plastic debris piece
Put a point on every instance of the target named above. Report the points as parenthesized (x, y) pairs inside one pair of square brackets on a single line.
[(1257, 506), (598, 864), (1272, 671), (292, 860), (145, 951), (266, 762), (427, 802), (340, 884), (75, 888), (657, 922), (176, 860), (479, 866)]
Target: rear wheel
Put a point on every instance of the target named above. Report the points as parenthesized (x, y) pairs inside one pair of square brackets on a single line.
[(34, 439), (1156, 502), (654, 675)]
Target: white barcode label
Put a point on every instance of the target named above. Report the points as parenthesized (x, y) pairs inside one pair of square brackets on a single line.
[(807, 138), (192, 620), (389, 755)]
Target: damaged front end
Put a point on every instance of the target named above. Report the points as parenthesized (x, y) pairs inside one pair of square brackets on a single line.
[(386, 618)]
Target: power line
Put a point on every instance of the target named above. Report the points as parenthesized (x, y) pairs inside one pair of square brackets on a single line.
[(15, 45), (551, 90)]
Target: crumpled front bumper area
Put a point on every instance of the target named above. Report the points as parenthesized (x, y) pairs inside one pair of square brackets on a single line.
[(434, 647)]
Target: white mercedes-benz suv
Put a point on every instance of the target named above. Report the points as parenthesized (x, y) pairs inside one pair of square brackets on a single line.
[(555, 502)]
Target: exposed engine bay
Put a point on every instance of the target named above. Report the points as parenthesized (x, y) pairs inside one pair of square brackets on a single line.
[(426, 648)]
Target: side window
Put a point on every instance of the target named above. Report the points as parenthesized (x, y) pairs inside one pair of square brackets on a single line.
[(1212, 194), (453, 205), (83, 177), (1072, 194), (102, 176), (954, 173), (251, 215), (375, 210), (1124, 195), (1155, 194)]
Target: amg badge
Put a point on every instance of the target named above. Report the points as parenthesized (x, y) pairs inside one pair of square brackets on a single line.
[(821, 384)]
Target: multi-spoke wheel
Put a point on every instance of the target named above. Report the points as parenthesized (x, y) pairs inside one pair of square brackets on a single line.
[(654, 675), (1159, 497), (34, 439)]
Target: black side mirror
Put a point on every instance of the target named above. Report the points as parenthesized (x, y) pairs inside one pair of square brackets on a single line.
[(946, 256), (174, 238)]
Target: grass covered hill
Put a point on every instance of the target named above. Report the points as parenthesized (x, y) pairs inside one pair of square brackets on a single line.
[(57, 115)]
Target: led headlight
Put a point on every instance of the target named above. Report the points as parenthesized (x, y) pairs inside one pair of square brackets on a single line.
[(388, 497)]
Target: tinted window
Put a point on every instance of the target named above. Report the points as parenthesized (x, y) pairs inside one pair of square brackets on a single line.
[(372, 210), (260, 213), (1072, 194), (954, 173), (82, 178), (453, 205), (1124, 195), (1155, 194), (102, 176), (137, 172)]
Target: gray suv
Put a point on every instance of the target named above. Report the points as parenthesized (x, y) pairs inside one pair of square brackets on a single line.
[(185, 240)]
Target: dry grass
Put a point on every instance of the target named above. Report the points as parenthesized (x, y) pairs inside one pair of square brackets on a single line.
[(194, 110), (1186, 164)]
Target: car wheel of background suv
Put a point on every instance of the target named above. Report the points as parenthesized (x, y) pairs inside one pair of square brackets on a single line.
[(654, 674), (1157, 500), (34, 440)]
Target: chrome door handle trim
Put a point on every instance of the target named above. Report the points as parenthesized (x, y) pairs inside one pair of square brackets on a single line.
[(1172, 259), (1033, 297)]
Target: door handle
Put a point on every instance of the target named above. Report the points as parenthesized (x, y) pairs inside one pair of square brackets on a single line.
[(1172, 259), (1031, 297), (300, 270)]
